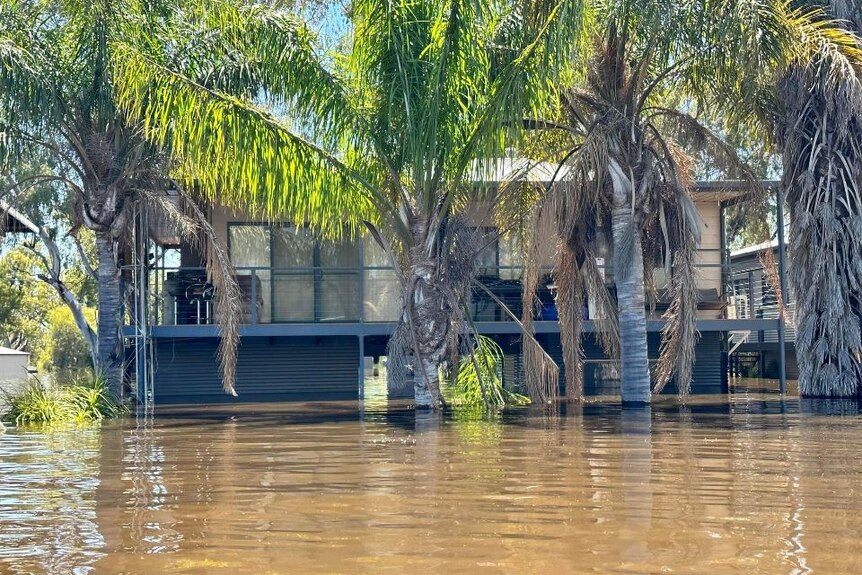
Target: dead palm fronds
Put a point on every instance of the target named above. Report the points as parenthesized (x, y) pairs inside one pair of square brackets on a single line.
[(198, 233), (820, 137)]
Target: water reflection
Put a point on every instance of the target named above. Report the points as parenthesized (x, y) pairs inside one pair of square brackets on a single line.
[(745, 486), (636, 483), (47, 501)]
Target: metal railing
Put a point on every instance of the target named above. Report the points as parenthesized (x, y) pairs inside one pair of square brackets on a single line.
[(185, 296), (751, 296)]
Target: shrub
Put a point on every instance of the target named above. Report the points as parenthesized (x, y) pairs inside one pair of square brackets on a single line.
[(85, 402)]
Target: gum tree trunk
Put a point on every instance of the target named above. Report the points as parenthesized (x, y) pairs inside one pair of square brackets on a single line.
[(109, 351)]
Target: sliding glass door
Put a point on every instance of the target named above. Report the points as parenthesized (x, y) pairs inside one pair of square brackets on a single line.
[(300, 279)]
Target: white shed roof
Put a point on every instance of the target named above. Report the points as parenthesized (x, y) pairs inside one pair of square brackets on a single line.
[(10, 351)]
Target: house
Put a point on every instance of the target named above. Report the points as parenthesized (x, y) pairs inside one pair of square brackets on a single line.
[(752, 294), (314, 311)]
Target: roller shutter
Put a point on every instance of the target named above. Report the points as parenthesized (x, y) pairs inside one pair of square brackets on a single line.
[(268, 369)]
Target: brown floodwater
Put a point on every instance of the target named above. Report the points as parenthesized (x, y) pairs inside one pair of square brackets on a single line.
[(744, 485)]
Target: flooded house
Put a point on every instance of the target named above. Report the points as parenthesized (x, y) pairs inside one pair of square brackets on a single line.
[(316, 313), (753, 295)]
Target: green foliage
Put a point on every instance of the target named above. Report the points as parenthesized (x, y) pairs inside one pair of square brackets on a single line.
[(25, 302), (38, 404), (479, 383), (64, 353), (80, 402), (426, 89), (33, 318)]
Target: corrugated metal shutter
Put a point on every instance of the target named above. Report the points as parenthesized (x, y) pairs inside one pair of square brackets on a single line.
[(709, 370), (269, 369), (601, 378)]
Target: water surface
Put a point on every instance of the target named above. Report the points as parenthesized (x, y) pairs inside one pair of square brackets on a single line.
[(751, 485)]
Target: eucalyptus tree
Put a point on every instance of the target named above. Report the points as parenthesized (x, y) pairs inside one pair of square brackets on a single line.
[(819, 135), (58, 93), (394, 134), (628, 181)]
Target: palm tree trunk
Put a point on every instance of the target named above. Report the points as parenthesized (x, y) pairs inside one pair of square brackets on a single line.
[(629, 279), (820, 143), (427, 314), (110, 315), (429, 326)]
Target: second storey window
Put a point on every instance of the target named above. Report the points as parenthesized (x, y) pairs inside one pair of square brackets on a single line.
[(300, 279)]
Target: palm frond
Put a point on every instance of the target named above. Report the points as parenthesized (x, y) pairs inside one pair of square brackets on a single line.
[(240, 154)]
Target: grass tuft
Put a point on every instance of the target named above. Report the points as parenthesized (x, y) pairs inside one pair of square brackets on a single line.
[(81, 402)]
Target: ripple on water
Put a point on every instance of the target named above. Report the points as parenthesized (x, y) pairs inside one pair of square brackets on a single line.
[(740, 487)]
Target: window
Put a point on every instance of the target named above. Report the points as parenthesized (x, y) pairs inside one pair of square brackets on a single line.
[(488, 245), (249, 249), (298, 279), (382, 296), (500, 256), (293, 274)]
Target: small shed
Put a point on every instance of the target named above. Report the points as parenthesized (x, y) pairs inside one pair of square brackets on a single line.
[(13, 370)]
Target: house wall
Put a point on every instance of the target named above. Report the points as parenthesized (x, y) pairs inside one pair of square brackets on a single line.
[(710, 247), (708, 279)]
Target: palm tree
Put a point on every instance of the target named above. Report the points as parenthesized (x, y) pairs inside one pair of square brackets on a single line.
[(820, 138), (393, 134), (58, 93), (628, 181)]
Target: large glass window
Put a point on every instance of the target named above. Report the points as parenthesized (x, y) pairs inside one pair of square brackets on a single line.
[(299, 279), (293, 274), (338, 287), (249, 247), (382, 301), (510, 257), (486, 258)]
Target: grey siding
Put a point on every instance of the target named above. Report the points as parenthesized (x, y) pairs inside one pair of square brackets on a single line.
[(269, 369)]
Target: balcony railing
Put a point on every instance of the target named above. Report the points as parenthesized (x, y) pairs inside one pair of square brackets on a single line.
[(184, 296), (751, 296)]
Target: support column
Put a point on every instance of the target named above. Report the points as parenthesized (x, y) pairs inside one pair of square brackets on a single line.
[(361, 367), (782, 281)]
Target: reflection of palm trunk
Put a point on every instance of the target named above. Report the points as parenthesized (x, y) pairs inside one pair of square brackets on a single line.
[(110, 315), (629, 279), (110, 514), (636, 444)]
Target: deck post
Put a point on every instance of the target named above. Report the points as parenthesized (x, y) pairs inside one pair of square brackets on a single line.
[(361, 281), (726, 273), (751, 295), (782, 281), (361, 367), (253, 296)]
